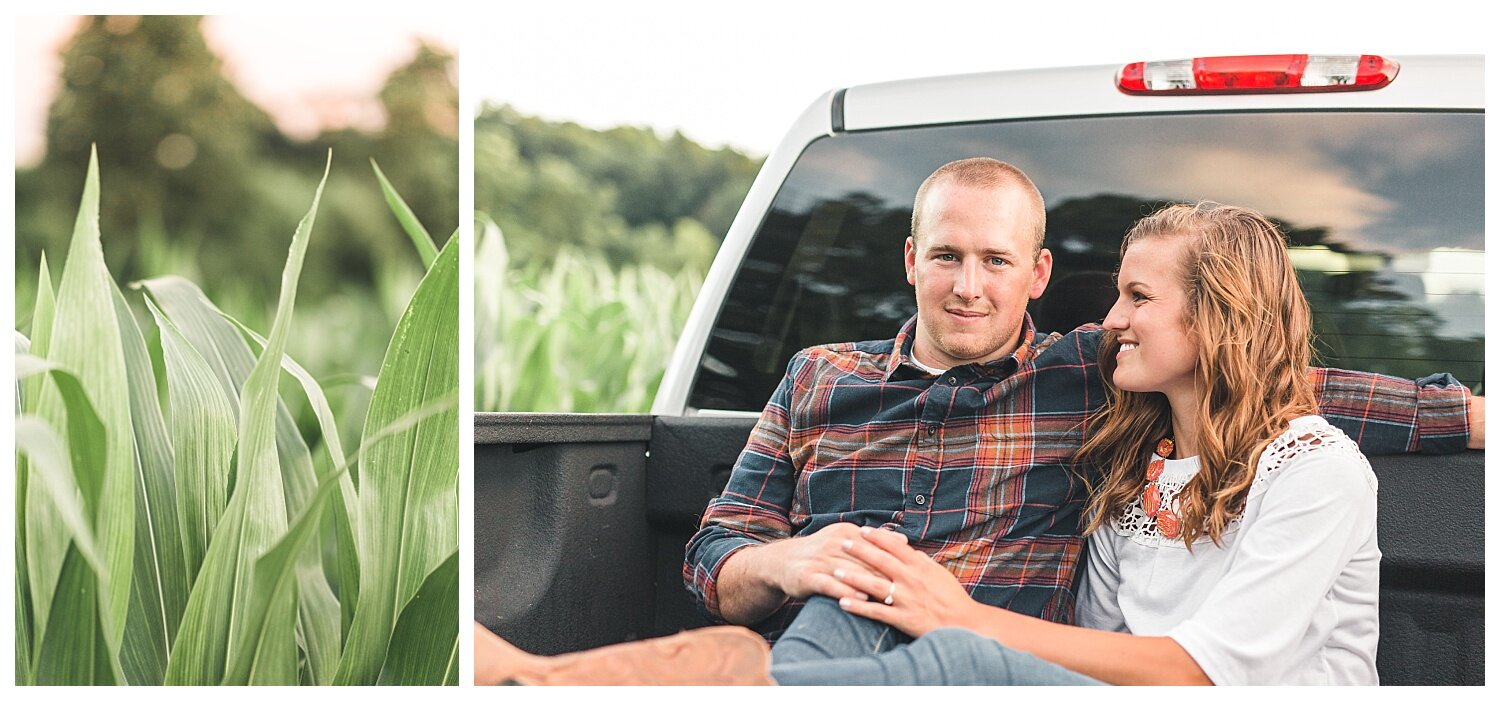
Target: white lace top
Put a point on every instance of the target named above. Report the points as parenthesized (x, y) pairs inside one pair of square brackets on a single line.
[(1291, 596)]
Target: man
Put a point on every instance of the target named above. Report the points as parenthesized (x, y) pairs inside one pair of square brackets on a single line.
[(960, 432)]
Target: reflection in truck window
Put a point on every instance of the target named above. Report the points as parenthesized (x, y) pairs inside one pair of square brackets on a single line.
[(1384, 211)]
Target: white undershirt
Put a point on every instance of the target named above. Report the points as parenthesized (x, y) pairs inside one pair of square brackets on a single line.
[(937, 372), (1292, 595)]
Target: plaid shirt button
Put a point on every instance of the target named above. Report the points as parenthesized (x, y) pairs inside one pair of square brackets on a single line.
[(920, 500)]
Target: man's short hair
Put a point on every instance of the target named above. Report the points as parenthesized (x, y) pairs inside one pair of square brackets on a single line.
[(984, 173)]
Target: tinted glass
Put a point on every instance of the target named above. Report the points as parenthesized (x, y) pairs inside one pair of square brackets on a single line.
[(1385, 212)]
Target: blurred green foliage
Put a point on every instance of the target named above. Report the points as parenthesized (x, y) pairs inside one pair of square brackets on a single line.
[(608, 235), (573, 333), (199, 182), (630, 195)]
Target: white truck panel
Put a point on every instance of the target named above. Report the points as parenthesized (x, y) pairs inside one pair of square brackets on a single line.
[(1423, 82)]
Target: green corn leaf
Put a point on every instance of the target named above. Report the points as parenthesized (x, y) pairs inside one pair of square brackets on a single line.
[(257, 513), (261, 609), (272, 572), (451, 677), (27, 394), (202, 325), (266, 640), (23, 648), (424, 646), (75, 648), (70, 641), (41, 330), (203, 437), (202, 642), (158, 362), (227, 353), (160, 588), (413, 228), (55, 495), (54, 476), (317, 597), (258, 456), (22, 347), (408, 485), (86, 339), (224, 347), (265, 651), (316, 399)]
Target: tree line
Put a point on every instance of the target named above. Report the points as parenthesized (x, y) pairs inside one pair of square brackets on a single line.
[(627, 193)]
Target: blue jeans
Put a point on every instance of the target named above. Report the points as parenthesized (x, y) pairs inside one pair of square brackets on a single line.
[(826, 645)]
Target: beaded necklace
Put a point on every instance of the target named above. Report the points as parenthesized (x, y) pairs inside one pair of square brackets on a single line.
[(1166, 519)]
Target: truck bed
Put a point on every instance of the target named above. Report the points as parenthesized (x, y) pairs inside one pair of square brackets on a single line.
[(580, 522)]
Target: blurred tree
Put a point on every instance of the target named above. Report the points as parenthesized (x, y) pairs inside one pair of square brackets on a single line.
[(417, 150), (420, 141), (632, 195), (198, 181), (179, 150)]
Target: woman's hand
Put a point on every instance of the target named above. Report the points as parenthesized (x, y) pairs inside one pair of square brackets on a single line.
[(923, 595)]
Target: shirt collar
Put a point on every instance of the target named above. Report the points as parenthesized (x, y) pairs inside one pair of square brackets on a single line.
[(1024, 352)]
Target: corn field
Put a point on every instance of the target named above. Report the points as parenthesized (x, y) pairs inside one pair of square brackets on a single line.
[(574, 336), (174, 526)]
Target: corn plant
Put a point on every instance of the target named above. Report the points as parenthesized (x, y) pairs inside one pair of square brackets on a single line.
[(577, 336), (172, 524)]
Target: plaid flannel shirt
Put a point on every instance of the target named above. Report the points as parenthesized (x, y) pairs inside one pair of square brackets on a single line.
[(975, 466)]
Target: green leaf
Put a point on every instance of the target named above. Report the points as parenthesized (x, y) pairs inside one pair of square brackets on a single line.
[(418, 233), (86, 339), (160, 588), (225, 349), (27, 394), (424, 646), (203, 437), (75, 649), (54, 478), (41, 329), (72, 649), (265, 639), (23, 648), (408, 485), (316, 399), (228, 354), (55, 494), (265, 651), (205, 329), (322, 632), (256, 516)]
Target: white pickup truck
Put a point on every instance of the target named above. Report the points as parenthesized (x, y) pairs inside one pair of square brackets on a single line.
[(1374, 165)]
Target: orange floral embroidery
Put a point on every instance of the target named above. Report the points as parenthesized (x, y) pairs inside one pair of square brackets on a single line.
[(1151, 501), (1167, 523)]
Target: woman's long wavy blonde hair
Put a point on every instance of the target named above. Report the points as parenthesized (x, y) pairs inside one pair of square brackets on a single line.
[(1251, 323)]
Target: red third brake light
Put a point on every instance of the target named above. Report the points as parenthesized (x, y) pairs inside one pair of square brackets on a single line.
[(1283, 73)]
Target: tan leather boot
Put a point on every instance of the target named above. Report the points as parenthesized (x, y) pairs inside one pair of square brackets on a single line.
[(718, 656)]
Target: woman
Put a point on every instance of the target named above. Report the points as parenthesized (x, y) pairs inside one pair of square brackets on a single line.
[(1232, 530)]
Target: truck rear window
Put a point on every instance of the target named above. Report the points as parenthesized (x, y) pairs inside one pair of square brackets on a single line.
[(1384, 211)]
